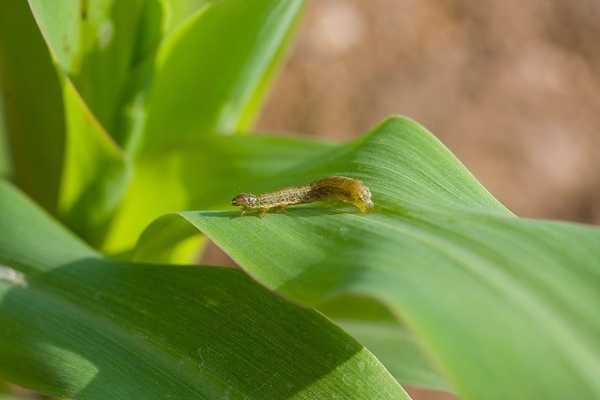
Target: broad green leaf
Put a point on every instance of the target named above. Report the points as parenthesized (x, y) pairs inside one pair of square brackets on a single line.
[(32, 105), (62, 155), (95, 44), (210, 74), (60, 24), (505, 307), (201, 172), (95, 172), (76, 324), (374, 326)]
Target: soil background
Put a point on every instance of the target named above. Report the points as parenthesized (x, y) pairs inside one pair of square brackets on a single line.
[(511, 87)]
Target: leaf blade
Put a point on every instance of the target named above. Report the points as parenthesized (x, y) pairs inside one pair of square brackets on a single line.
[(95, 45), (77, 324), (203, 172), (30, 86), (220, 90), (491, 296)]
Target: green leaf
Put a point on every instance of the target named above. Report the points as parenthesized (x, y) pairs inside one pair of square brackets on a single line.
[(181, 10), (95, 173), (63, 157), (60, 24), (95, 43), (505, 307), (76, 324), (373, 325), (8, 397), (201, 172), (32, 105), (5, 159), (211, 72)]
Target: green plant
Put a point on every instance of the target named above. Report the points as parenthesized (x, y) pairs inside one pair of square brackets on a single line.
[(120, 114)]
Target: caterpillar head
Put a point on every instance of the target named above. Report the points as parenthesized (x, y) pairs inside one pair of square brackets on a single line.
[(248, 200)]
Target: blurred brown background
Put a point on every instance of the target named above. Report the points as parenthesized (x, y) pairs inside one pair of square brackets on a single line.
[(511, 87)]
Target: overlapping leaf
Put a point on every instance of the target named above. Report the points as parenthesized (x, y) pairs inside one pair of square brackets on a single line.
[(95, 171), (211, 73), (201, 172), (95, 43), (76, 324), (63, 157), (505, 307), (32, 105), (181, 10), (208, 75)]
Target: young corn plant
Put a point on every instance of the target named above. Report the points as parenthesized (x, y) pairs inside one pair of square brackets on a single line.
[(121, 149)]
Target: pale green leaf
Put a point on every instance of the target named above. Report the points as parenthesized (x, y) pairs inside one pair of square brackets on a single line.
[(95, 171), (178, 11), (210, 74), (60, 24), (505, 307), (95, 43)]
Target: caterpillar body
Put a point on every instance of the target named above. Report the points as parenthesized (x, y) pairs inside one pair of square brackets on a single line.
[(339, 188)]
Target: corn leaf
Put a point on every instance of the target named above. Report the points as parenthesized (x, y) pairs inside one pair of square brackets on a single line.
[(95, 43), (63, 156), (205, 171), (5, 160), (504, 307), (95, 172), (32, 105), (77, 324), (210, 74), (178, 11)]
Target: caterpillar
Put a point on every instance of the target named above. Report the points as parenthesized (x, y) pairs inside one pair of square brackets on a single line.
[(339, 188)]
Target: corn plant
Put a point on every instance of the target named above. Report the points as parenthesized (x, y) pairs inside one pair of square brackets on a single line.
[(123, 142)]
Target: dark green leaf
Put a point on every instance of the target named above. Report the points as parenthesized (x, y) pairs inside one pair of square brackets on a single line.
[(33, 108), (5, 158), (76, 324)]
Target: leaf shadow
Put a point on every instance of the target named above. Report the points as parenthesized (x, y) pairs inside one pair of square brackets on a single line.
[(146, 331), (298, 211)]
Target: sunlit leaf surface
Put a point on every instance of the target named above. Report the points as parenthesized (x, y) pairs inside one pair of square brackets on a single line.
[(203, 172), (95, 43), (211, 73), (505, 307)]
